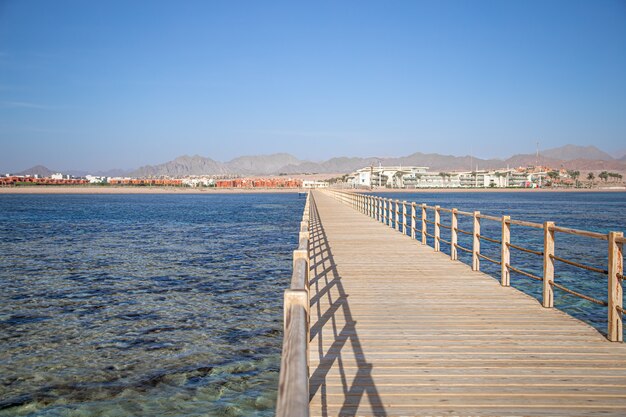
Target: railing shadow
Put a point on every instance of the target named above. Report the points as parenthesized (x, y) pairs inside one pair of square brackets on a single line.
[(330, 306)]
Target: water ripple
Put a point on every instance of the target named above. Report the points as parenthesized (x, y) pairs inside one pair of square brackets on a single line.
[(143, 305)]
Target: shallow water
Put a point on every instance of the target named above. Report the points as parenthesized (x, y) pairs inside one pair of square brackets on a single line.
[(593, 211), (143, 305)]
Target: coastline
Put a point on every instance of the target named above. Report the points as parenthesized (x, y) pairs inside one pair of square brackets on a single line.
[(491, 190), (140, 190), (188, 190)]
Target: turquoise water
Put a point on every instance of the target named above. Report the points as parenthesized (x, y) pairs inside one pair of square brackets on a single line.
[(592, 211), (143, 305)]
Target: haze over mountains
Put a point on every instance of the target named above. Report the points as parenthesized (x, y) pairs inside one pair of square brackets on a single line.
[(568, 156)]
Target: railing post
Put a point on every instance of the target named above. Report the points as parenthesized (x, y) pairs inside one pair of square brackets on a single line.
[(373, 207), (505, 253), (390, 212), (302, 254), (397, 216), (364, 204), (404, 217), (476, 243), (384, 211), (413, 222), (453, 235), (423, 224), (437, 228), (616, 270), (548, 264), (379, 208)]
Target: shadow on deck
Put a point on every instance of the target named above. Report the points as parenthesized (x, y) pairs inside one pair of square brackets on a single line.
[(326, 285)]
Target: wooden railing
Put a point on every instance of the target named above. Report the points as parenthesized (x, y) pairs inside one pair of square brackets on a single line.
[(293, 385), (388, 211)]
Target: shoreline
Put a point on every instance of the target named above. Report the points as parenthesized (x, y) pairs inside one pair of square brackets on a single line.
[(141, 190), (493, 190), (188, 190)]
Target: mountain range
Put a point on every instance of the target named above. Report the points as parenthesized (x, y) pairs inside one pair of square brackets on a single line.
[(588, 158)]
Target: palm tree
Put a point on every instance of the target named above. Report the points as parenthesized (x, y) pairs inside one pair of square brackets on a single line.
[(604, 175), (590, 177), (574, 175)]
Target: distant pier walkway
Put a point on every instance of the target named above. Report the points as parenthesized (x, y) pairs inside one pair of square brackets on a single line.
[(398, 329)]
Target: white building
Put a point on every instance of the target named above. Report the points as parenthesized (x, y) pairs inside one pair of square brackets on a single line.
[(390, 176), (95, 180), (419, 177), (199, 182), (314, 184)]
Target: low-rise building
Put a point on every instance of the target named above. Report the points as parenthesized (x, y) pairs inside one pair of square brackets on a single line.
[(314, 184), (420, 177)]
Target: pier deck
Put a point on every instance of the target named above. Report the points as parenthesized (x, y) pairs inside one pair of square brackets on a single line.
[(397, 329)]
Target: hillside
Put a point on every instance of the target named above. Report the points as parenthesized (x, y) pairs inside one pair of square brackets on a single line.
[(570, 152), (39, 170), (569, 157)]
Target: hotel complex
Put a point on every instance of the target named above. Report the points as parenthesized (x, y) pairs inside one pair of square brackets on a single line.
[(420, 177)]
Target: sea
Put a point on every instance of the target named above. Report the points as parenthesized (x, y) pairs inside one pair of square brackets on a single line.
[(143, 305), (171, 305)]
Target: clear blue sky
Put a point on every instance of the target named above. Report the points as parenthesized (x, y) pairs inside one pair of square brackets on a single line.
[(118, 84)]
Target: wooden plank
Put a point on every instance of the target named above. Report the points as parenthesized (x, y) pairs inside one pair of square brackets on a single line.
[(397, 329)]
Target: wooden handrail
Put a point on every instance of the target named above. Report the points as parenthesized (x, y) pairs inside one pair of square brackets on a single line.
[(577, 232), (293, 383), (487, 217), (382, 210), (527, 224)]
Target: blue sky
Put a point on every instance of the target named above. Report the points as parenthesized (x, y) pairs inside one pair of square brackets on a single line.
[(118, 84)]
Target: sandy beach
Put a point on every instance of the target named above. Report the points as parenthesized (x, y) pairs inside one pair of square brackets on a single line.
[(493, 190), (203, 190), (139, 190)]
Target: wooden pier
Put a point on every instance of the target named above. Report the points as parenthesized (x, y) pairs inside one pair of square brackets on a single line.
[(396, 328)]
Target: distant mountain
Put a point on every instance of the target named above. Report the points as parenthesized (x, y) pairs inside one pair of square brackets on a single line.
[(569, 152), (39, 170), (532, 159), (182, 166), (437, 162), (433, 161), (594, 165), (569, 157), (261, 164)]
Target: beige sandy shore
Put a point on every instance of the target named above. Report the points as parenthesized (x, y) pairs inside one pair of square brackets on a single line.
[(495, 190), (186, 190), (139, 190)]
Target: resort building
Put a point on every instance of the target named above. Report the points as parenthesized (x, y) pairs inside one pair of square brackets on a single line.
[(391, 176), (314, 184), (420, 177)]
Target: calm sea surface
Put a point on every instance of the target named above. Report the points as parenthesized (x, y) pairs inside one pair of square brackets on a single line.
[(144, 305)]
